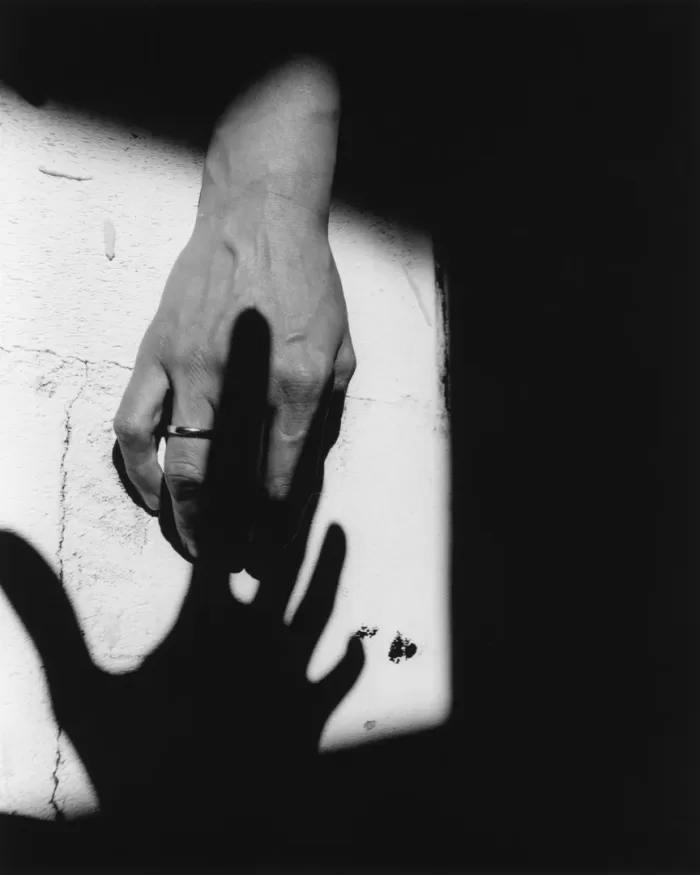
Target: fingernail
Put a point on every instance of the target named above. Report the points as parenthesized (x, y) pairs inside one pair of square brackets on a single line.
[(152, 503)]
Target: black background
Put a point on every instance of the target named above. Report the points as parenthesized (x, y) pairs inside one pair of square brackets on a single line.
[(551, 152)]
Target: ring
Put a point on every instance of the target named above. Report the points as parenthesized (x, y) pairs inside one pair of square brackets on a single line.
[(184, 431)]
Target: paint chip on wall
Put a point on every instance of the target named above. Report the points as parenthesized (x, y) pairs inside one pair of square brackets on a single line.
[(110, 234)]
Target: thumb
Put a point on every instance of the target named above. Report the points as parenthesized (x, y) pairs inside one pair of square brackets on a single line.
[(135, 425)]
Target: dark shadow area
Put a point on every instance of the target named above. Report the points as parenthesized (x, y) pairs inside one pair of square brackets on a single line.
[(551, 153)]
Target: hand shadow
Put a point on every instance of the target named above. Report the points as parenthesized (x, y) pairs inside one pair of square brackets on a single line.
[(213, 740)]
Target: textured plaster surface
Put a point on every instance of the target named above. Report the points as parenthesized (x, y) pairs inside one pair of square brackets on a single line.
[(83, 260)]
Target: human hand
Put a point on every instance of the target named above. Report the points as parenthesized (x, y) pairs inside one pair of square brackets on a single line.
[(260, 241), (285, 269)]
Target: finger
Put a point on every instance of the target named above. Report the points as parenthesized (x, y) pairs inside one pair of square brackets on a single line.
[(37, 596), (293, 451), (305, 470), (135, 425), (316, 607), (282, 526), (289, 434), (186, 459)]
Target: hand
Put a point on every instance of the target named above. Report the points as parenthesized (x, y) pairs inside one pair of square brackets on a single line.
[(280, 264), (260, 241)]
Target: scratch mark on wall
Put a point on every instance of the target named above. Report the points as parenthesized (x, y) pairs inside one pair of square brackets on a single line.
[(61, 175), (417, 293)]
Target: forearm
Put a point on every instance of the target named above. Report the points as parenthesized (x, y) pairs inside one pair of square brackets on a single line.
[(276, 144)]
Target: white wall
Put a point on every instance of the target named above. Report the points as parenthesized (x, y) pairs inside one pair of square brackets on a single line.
[(70, 324)]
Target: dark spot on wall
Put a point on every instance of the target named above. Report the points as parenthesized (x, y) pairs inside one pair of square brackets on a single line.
[(401, 648), (366, 632), (370, 724)]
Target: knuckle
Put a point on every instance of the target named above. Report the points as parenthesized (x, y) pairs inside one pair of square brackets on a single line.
[(346, 366), (301, 378), (183, 477), (127, 430)]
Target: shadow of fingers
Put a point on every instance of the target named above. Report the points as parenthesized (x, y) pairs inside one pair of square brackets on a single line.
[(43, 607)]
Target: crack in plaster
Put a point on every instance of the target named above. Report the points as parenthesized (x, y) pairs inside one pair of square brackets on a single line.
[(54, 777), (64, 472), (65, 358), (61, 537)]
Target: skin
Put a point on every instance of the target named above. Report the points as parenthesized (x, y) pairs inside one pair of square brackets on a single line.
[(260, 240)]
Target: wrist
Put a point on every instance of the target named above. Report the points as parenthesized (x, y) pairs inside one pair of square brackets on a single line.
[(276, 144)]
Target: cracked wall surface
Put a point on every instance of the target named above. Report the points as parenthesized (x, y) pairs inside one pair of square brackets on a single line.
[(72, 319)]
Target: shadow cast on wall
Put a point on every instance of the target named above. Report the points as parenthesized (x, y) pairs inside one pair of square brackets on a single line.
[(551, 154), (207, 754), (216, 734)]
